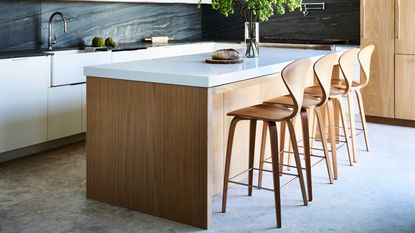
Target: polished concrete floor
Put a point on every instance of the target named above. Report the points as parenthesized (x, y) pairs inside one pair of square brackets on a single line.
[(46, 193)]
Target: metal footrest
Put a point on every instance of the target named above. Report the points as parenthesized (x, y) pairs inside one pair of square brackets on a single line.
[(257, 169)]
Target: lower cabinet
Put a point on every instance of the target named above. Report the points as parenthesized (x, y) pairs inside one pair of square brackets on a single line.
[(65, 111), (404, 87), (23, 101)]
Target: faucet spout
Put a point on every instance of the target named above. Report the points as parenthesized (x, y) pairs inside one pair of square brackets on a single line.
[(52, 40)]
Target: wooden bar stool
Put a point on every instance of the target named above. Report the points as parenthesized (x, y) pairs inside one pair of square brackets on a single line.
[(294, 76), (323, 69), (364, 57), (335, 99)]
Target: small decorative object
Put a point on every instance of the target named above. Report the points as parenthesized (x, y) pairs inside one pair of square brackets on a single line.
[(225, 56), (110, 43), (98, 42), (254, 11), (158, 39)]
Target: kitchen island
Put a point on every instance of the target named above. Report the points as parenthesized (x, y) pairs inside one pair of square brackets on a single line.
[(157, 129)]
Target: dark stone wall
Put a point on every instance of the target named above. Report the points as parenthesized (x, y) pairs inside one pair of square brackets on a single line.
[(24, 23), (340, 21)]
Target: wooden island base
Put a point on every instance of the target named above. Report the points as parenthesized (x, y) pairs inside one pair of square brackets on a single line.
[(160, 149)]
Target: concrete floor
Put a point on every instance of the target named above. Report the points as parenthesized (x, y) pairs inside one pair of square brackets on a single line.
[(46, 193)]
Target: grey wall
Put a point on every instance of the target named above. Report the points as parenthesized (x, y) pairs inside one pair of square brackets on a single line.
[(23, 23), (340, 20)]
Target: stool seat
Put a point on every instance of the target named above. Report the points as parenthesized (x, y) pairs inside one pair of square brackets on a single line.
[(263, 112), (316, 91), (341, 84), (309, 101)]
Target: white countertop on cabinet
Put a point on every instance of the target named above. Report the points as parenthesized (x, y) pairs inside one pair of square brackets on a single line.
[(191, 70)]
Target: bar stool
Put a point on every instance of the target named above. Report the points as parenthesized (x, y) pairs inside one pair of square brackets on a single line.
[(335, 98), (364, 57), (323, 69), (294, 76)]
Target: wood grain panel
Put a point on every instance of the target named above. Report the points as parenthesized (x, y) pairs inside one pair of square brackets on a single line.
[(405, 86), (377, 27), (233, 100), (147, 148), (405, 26), (216, 141)]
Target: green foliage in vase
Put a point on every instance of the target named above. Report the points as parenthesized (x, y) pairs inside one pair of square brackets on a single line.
[(255, 10)]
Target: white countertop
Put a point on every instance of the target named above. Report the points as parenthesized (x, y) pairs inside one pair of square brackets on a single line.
[(191, 70)]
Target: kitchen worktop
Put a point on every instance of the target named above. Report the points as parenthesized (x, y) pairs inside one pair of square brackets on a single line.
[(191, 70), (121, 47)]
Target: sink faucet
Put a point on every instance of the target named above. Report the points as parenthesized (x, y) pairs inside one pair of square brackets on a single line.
[(52, 40)]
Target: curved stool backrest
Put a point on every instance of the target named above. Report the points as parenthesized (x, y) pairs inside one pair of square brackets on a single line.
[(323, 70), (294, 76), (365, 59), (346, 62)]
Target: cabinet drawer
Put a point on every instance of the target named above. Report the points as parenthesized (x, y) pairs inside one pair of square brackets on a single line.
[(165, 51), (65, 111), (68, 67), (125, 56)]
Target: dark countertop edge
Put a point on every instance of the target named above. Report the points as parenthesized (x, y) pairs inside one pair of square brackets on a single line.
[(21, 53)]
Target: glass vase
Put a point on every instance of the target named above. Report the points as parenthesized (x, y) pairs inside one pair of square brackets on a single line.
[(251, 39)]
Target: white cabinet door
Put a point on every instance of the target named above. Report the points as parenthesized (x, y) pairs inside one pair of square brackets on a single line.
[(68, 66), (83, 107), (196, 48), (23, 101), (165, 51), (218, 46), (64, 111), (135, 55)]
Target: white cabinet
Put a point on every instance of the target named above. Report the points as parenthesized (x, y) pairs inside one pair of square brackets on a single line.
[(218, 46), (133, 55), (64, 111), (68, 66), (196, 48), (23, 101), (165, 51)]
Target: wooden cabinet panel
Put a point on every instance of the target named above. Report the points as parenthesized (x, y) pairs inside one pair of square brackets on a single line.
[(377, 27), (233, 100), (405, 83), (405, 26), (83, 107)]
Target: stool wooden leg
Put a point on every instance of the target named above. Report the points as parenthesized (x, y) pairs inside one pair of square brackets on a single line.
[(313, 128), (362, 117), (324, 142), (297, 160), (352, 125), (282, 145), (252, 133), (332, 134), (346, 132), (290, 147), (228, 161), (275, 170), (262, 153), (306, 143)]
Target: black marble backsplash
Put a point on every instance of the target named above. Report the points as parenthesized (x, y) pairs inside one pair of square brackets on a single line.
[(24, 23), (340, 21)]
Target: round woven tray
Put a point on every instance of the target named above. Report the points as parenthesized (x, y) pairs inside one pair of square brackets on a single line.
[(211, 61)]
